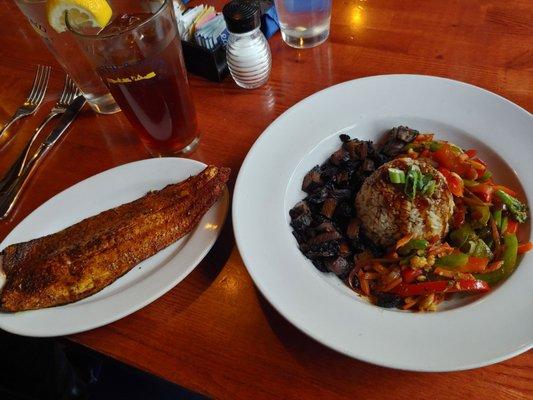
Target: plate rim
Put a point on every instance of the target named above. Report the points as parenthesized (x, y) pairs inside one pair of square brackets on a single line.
[(239, 193)]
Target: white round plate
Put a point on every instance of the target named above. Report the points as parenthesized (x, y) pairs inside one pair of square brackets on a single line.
[(145, 282), (468, 334)]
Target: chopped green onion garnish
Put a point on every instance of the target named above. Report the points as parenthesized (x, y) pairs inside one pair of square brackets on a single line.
[(429, 188), (412, 179), (396, 175)]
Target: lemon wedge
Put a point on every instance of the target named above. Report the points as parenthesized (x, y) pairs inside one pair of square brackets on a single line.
[(96, 13)]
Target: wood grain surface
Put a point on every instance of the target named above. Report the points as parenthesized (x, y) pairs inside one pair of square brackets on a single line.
[(214, 333)]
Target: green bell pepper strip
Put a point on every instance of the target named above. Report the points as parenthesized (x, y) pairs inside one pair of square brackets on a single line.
[(481, 215), (468, 241), (509, 258), (413, 244), (452, 261), (503, 226), (481, 249), (460, 236), (497, 216)]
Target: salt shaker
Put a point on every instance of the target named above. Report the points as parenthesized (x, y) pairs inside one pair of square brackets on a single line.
[(247, 51)]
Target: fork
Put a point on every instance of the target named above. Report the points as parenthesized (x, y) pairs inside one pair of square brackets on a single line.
[(69, 93), (34, 99)]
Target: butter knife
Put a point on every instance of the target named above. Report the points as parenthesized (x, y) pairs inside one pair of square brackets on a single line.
[(9, 196)]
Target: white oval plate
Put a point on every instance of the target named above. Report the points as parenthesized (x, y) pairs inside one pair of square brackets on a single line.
[(145, 282), (467, 335)]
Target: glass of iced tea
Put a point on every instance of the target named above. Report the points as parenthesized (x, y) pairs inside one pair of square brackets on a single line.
[(138, 55)]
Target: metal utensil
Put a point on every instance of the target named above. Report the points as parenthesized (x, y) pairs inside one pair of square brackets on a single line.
[(10, 195), (34, 99), (70, 92)]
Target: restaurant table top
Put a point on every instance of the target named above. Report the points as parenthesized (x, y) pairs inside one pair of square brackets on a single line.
[(214, 333)]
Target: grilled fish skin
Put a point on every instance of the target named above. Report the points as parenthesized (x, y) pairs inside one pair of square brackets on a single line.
[(84, 258)]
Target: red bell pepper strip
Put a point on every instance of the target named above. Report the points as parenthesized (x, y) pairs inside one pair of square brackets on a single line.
[(423, 288), (471, 153), (525, 247), (512, 226), (494, 266), (510, 192), (446, 157), (484, 191), (454, 182), (425, 153), (410, 274), (475, 264)]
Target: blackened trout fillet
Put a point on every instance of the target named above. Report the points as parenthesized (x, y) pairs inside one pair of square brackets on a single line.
[(84, 258)]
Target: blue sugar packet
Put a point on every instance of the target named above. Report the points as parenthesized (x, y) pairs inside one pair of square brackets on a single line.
[(269, 22), (269, 17), (212, 33), (223, 38)]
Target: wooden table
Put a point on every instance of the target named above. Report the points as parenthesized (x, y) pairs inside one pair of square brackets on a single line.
[(214, 333)]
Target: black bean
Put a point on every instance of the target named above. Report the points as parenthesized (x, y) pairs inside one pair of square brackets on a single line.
[(302, 222), (341, 194), (405, 134), (301, 237), (344, 138), (368, 165), (388, 300), (344, 210), (317, 197), (312, 180), (320, 250), (339, 266), (319, 264), (300, 208)]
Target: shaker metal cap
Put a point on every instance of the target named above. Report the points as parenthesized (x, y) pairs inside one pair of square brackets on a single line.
[(241, 16)]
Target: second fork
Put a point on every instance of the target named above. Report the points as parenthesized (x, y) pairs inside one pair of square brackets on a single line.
[(69, 93)]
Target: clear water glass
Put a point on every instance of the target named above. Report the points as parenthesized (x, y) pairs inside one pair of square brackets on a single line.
[(304, 23), (67, 52)]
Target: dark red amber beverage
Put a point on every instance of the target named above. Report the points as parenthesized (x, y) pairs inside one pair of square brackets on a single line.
[(138, 56)]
